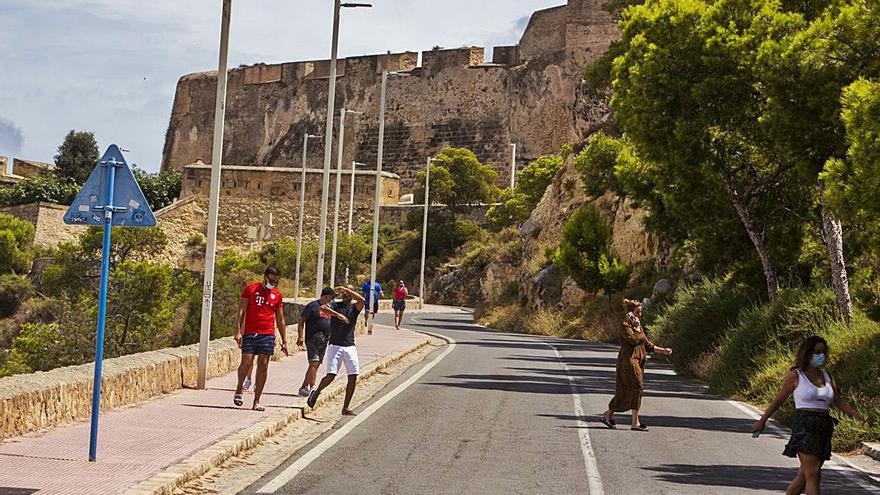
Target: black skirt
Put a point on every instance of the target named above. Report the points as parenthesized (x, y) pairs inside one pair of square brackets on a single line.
[(811, 434)]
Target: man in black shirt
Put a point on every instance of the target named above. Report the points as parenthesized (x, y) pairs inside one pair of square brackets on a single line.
[(315, 317), (342, 348)]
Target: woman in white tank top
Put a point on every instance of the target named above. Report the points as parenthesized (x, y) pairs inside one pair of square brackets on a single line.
[(814, 392)]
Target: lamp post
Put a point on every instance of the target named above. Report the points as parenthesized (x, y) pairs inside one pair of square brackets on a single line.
[(351, 206), (513, 165), (328, 140), (342, 113), (214, 198), (372, 292), (302, 210), (425, 226)]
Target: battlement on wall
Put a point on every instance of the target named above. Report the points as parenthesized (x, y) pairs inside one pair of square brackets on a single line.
[(549, 31), (367, 66)]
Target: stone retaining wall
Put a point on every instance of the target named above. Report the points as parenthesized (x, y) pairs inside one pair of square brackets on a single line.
[(41, 400)]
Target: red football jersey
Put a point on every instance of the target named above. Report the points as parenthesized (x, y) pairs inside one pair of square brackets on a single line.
[(262, 304)]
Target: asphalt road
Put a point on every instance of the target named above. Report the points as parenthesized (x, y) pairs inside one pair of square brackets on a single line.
[(497, 416)]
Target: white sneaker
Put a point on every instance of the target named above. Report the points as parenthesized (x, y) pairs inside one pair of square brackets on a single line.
[(304, 392), (247, 384)]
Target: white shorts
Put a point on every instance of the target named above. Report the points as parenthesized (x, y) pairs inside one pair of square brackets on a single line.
[(337, 354)]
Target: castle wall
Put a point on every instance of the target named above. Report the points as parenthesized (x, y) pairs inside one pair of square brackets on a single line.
[(528, 96), (48, 220), (243, 182)]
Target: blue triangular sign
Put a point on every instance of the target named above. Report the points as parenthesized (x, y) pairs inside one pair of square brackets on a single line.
[(130, 207)]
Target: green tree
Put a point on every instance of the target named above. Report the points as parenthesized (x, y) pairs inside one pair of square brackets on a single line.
[(597, 164), (49, 189), (15, 238), (76, 267), (513, 208), (686, 93), (516, 205), (160, 188), (473, 182), (854, 182), (77, 156), (536, 177), (585, 253), (442, 185), (139, 307)]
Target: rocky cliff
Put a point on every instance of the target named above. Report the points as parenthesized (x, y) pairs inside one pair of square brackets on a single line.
[(520, 267)]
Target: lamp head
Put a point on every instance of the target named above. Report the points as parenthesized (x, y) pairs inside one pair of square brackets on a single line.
[(354, 5)]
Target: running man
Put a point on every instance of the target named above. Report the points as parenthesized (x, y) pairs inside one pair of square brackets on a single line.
[(342, 348), (315, 320), (259, 314)]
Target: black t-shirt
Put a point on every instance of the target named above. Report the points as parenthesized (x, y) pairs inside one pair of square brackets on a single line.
[(341, 333), (317, 321)]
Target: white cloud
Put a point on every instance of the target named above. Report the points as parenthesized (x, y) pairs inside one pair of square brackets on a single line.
[(111, 66)]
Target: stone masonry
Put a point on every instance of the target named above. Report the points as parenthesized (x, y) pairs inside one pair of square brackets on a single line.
[(531, 94)]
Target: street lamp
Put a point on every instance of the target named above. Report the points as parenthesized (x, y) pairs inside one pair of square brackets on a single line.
[(302, 210), (214, 198), (372, 292), (425, 227), (351, 206), (513, 165), (342, 113), (328, 140)]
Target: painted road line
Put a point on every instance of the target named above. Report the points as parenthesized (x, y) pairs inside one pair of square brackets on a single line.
[(294, 469), (594, 480)]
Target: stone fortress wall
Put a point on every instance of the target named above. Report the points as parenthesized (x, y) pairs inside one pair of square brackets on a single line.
[(530, 94)]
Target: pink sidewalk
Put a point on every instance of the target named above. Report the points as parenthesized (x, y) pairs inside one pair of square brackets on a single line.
[(137, 442)]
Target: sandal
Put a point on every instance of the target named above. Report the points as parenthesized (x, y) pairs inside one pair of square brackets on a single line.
[(259, 407), (238, 399), (607, 422), (641, 427)]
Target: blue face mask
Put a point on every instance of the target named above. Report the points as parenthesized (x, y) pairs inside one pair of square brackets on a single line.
[(818, 360)]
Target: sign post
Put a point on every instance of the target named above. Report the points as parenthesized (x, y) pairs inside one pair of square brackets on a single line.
[(111, 196)]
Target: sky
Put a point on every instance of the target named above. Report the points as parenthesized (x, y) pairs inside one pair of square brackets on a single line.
[(111, 66)]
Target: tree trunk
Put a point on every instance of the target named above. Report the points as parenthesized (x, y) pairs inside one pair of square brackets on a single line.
[(832, 234), (757, 239)]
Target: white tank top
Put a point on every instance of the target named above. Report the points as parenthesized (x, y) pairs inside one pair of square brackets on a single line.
[(809, 396)]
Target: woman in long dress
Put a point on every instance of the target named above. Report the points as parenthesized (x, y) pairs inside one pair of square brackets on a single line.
[(634, 349)]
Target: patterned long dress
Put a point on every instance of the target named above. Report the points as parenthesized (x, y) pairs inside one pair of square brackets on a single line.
[(634, 348)]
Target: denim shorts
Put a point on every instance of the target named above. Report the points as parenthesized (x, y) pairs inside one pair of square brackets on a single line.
[(316, 346), (399, 304), (260, 344)]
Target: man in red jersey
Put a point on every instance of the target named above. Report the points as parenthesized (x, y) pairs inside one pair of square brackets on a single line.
[(259, 313)]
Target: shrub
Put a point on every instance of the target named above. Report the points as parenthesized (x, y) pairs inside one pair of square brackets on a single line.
[(585, 253), (14, 290), (15, 238), (696, 321), (196, 240), (49, 189)]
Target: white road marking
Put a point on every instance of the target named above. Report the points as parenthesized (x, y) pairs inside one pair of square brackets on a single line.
[(594, 480), (288, 474)]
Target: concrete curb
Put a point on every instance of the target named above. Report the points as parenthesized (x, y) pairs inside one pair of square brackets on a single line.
[(871, 450), (175, 475)]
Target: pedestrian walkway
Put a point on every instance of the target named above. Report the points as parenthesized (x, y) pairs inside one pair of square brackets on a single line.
[(137, 442)]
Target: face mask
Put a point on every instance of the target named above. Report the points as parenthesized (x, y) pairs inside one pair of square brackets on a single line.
[(268, 284), (818, 360)]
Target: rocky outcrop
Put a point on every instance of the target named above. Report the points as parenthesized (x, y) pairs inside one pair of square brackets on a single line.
[(540, 284)]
